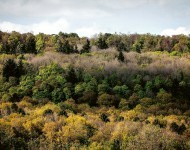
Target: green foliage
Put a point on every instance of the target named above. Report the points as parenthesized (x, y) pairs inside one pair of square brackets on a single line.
[(86, 47), (103, 88), (122, 91), (26, 84), (71, 75), (101, 43), (57, 95), (11, 69), (147, 102), (39, 42), (68, 90), (30, 44), (124, 104), (6, 97), (64, 47), (61, 101), (80, 88), (164, 97)]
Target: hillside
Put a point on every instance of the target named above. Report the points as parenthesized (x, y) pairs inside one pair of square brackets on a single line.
[(113, 91)]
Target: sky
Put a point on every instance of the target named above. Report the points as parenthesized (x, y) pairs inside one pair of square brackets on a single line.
[(90, 17)]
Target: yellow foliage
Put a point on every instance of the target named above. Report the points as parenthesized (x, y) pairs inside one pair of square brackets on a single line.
[(50, 130), (120, 131), (40, 110), (139, 108), (5, 108), (94, 120), (24, 104), (18, 123), (98, 146), (5, 105), (129, 115), (37, 122), (172, 118), (74, 129), (104, 132), (5, 127), (14, 115)]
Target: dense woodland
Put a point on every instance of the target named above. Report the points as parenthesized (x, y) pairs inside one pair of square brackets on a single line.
[(108, 92)]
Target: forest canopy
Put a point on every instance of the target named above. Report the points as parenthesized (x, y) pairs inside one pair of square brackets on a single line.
[(111, 91)]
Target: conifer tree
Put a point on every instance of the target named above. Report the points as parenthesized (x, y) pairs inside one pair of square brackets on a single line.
[(86, 47), (10, 69), (121, 56), (101, 43)]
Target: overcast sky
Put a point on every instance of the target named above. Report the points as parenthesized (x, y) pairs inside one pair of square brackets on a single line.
[(87, 17)]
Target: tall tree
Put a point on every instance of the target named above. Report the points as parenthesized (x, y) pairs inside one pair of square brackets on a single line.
[(101, 43), (10, 69), (30, 44)]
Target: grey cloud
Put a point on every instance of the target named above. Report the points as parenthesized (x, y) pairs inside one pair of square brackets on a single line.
[(112, 15), (70, 7)]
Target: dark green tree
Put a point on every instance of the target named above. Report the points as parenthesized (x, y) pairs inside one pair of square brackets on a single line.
[(71, 75), (20, 68), (30, 44), (10, 69), (89, 97), (86, 47), (101, 43), (121, 47), (121, 56), (64, 47), (67, 48)]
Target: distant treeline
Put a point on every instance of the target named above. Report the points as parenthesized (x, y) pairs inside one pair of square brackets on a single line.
[(13, 43)]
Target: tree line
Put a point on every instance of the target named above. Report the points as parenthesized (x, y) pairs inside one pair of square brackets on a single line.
[(16, 43)]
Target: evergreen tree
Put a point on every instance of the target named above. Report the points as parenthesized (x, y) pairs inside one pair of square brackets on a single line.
[(10, 69), (67, 48), (20, 68), (101, 43), (71, 75), (121, 47), (86, 47), (121, 56), (30, 44), (64, 47)]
